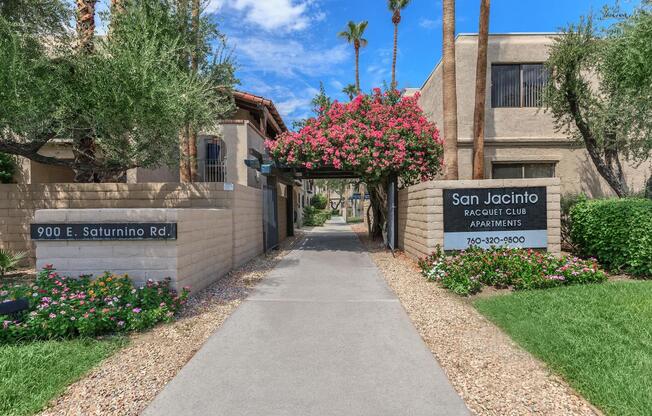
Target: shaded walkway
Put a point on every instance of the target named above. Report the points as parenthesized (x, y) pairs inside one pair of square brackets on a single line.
[(321, 335)]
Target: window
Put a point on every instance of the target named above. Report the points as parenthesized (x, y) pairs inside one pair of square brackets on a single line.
[(212, 151), (522, 170), (517, 85)]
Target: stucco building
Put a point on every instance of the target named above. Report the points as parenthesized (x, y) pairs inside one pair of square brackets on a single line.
[(520, 138)]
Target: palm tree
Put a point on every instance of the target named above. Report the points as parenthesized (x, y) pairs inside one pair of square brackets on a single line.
[(194, 67), (480, 92), (185, 175), (395, 6), (86, 24), (353, 35), (351, 91), (449, 91), (84, 146)]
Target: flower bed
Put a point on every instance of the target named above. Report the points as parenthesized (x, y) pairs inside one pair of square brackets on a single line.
[(468, 271), (61, 307)]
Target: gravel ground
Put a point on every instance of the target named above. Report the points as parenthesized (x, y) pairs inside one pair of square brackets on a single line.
[(125, 383), (492, 374)]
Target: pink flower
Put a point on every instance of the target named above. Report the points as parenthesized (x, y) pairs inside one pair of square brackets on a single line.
[(136, 310), (52, 315)]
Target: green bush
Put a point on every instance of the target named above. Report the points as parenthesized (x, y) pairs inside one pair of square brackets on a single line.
[(354, 220), (618, 232), (7, 168), (60, 307), (567, 203), (9, 261), (468, 271), (313, 217), (319, 201)]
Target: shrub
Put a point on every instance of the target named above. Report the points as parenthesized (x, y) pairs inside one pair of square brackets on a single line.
[(468, 271), (567, 203), (618, 232), (313, 217), (9, 261), (354, 220), (61, 307), (319, 201), (7, 168)]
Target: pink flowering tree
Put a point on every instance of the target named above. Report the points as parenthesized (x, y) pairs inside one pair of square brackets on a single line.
[(375, 137)]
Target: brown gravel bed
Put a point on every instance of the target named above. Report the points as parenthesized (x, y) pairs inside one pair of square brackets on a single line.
[(492, 374), (125, 383)]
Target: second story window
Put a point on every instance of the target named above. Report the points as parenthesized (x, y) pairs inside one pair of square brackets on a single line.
[(517, 85)]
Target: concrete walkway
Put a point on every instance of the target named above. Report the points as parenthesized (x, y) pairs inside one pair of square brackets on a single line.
[(321, 335)]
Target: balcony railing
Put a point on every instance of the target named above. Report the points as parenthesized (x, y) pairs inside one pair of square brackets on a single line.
[(211, 170)]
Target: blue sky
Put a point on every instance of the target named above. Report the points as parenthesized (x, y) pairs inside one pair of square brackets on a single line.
[(284, 48)]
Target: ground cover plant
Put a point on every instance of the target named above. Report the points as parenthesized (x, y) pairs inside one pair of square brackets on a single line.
[(466, 272), (32, 373), (61, 307), (598, 337), (618, 232)]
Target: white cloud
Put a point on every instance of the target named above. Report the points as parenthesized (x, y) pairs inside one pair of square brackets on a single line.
[(429, 23), (270, 14), (213, 6), (288, 58)]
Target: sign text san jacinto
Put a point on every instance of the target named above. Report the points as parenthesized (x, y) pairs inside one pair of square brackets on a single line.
[(514, 217)]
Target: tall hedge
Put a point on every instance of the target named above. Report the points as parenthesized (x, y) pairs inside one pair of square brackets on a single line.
[(617, 232)]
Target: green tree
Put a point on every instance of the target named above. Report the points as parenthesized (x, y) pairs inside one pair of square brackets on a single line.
[(354, 35), (351, 91), (7, 168), (600, 91), (321, 102), (395, 6), (126, 100)]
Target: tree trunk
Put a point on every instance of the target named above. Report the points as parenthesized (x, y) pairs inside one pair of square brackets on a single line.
[(480, 92), (184, 134), (86, 25), (194, 66), (84, 146), (378, 200), (609, 167), (393, 85), (357, 69), (449, 91)]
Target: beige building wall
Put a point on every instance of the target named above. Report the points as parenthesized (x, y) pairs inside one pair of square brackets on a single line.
[(18, 204), (201, 254), (421, 212), (515, 134)]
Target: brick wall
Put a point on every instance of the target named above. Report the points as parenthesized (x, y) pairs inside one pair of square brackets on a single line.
[(18, 204), (247, 210), (202, 252), (421, 212)]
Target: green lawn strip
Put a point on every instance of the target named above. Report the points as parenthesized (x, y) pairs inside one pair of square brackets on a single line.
[(31, 374), (598, 337)]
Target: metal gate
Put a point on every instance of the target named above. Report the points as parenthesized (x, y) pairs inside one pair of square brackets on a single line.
[(270, 214)]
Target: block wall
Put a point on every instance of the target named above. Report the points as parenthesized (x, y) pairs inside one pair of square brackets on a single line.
[(18, 204), (202, 252), (421, 212)]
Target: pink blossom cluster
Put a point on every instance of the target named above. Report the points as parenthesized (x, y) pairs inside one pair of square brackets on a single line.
[(372, 136)]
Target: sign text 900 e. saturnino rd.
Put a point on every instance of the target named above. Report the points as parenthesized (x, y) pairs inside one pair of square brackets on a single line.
[(512, 217), (104, 231)]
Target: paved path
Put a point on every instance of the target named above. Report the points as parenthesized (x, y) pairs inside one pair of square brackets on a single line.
[(321, 335)]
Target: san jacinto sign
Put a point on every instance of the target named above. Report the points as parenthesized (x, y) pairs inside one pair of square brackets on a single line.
[(485, 217)]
